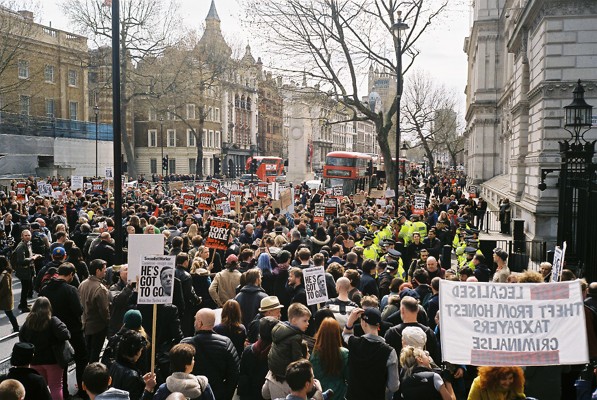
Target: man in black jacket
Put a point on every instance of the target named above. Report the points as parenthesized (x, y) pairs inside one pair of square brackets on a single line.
[(24, 268), (215, 356), (66, 306), (191, 300)]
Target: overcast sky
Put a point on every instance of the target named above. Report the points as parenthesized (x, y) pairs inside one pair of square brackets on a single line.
[(441, 47)]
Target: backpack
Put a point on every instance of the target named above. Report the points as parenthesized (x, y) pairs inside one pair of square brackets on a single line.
[(38, 245)]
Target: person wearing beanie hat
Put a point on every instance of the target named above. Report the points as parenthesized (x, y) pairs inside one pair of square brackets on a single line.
[(34, 384), (372, 363), (132, 321)]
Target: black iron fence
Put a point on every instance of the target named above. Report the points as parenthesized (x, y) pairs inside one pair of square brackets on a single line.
[(522, 254)]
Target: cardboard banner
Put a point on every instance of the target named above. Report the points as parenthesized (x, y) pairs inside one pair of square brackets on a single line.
[(139, 245), (188, 200), (319, 213), (76, 182), (359, 199), (176, 185), (381, 202), (419, 205), (97, 186), (21, 191), (225, 206), (331, 207), (390, 193), (559, 255), (315, 286), (520, 324), (377, 194), (337, 191), (156, 279), (205, 201), (286, 199), (219, 232), (262, 189)]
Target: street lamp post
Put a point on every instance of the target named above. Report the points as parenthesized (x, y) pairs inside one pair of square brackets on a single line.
[(96, 111), (397, 28), (162, 143)]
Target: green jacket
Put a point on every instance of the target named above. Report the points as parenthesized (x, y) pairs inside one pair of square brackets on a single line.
[(338, 383), (286, 348)]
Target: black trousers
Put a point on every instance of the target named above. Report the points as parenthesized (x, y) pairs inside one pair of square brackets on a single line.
[(77, 340), (26, 287), (95, 343)]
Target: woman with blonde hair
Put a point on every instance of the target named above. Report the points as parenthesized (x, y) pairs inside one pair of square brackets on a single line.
[(193, 231), (419, 380), (504, 383), (201, 280)]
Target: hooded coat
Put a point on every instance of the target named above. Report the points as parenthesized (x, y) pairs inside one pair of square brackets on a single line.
[(194, 387)]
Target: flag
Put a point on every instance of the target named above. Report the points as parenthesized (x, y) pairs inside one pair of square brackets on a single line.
[(156, 212)]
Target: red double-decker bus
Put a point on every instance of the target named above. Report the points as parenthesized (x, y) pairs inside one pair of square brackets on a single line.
[(347, 169), (267, 169)]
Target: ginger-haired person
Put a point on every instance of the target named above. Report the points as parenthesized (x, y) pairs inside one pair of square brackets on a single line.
[(505, 383)]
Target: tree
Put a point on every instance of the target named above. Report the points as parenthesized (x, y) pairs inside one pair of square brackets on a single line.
[(16, 30), (190, 73), (334, 41), (429, 115), (147, 27)]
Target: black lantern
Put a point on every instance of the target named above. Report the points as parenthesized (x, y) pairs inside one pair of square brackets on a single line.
[(579, 114)]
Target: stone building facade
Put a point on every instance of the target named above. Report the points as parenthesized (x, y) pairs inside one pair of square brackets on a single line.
[(525, 57)]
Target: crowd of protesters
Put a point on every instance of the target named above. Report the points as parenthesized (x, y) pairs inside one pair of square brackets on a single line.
[(377, 337)]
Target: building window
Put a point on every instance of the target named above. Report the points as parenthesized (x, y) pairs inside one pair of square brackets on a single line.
[(211, 139), (190, 138), (25, 105), (50, 108), (73, 110), (205, 166), (152, 115), (218, 143), (210, 114), (190, 111), (170, 113), (49, 74), (171, 137), (172, 165), (72, 77), (153, 166), (152, 138), (217, 115), (23, 69), (192, 165), (204, 138)]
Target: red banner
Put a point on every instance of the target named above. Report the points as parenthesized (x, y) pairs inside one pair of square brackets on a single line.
[(205, 201), (21, 191), (262, 189), (97, 186), (219, 232), (188, 200)]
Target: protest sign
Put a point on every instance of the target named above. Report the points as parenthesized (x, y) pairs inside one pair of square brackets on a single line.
[(205, 200), (319, 213), (262, 189), (286, 198), (502, 324), (390, 193), (226, 207), (419, 205), (188, 200), (380, 202), (139, 245), (176, 185), (337, 191), (108, 173), (219, 232), (359, 199), (274, 189), (315, 286), (87, 186), (44, 189), (558, 262), (76, 182), (331, 207), (377, 194), (97, 186), (472, 191), (156, 279), (236, 205), (55, 185), (21, 191), (218, 206)]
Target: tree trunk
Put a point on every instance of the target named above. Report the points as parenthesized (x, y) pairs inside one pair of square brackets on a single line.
[(199, 142), (126, 143), (384, 146)]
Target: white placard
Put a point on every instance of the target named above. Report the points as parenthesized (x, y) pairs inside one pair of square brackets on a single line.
[(502, 324), (108, 173), (45, 189), (76, 182), (315, 287), (225, 207), (140, 245), (156, 280), (558, 262)]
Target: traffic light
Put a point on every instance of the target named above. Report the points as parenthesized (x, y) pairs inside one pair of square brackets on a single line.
[(253, 166), (165, 163), (217, 166)]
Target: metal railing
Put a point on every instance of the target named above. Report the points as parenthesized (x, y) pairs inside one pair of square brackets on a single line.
[(523, 254)]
